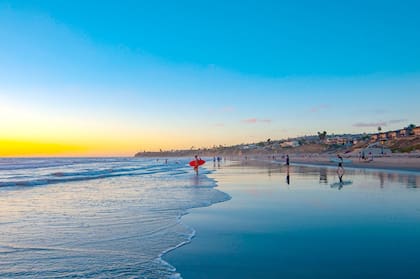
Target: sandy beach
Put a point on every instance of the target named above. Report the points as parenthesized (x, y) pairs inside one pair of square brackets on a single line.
[(297, 223), (393, 162), (406, 162)]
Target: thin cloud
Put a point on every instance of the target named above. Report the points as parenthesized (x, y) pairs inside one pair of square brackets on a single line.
[(370, 124), (396, 121), (380, 123), (256, 120), (250, 120)]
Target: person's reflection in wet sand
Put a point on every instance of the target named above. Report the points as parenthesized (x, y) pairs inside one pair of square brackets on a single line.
[(340, 172), (195, 181), (381, 180), (288, 176), (323, 178)]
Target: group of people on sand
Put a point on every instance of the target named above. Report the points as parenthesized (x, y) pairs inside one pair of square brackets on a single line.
[(197, 164), (365, 158), (218, 159), (340, 169)]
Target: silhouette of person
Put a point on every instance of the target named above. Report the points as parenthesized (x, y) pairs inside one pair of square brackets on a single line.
[(287, 160), (340, 172)]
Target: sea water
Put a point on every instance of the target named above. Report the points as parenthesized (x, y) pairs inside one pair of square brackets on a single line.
[(96, 217)]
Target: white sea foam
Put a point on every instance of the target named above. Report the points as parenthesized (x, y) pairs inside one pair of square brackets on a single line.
[(96, 218)]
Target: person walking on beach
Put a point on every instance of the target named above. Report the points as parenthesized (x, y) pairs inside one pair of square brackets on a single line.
[(287, 160), (340, 172)]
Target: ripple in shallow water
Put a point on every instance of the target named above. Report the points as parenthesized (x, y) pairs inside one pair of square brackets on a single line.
[(113, 226)]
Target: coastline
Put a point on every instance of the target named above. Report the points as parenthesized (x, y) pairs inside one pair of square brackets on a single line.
[(180, 221), (396, 163), (402, 163)]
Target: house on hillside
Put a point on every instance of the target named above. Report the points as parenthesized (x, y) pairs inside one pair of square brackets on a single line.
[(382, 136), (337, 140), (293, 143), (248, 147), (402, 133), (392, 135)]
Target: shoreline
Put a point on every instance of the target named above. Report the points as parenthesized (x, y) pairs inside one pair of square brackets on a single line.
[(180, 220), (381, 163), (400, 163)]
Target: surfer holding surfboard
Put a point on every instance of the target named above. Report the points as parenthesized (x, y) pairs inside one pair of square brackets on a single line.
[(196, 163)]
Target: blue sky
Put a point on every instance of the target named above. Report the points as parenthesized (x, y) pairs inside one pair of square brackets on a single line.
[(133, 74)]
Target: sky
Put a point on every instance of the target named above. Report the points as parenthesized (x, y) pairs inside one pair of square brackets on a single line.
[(111, 78)]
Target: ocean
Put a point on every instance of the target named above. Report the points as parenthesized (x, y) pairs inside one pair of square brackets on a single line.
[(96, 217)]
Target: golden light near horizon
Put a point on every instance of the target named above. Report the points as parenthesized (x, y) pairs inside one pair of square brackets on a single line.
[(92, 147), (36, 131), (77, 143), (19, 148)]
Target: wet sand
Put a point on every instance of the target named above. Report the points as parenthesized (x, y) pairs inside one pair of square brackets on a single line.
[(404, 162), (307, 228), (389, 163)]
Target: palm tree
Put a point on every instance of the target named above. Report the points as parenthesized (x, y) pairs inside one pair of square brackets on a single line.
[(323, 135), (410, 129)]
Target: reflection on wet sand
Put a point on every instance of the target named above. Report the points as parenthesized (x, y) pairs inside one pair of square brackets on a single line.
[(320, 174), (323, 177)]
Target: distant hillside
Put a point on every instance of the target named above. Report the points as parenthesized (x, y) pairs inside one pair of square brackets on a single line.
[(404, 145), (303, 145)]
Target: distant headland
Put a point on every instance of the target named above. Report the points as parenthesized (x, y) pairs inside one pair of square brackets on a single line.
[(405, 140)]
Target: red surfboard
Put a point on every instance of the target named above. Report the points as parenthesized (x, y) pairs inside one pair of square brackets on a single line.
[(193, 163)]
